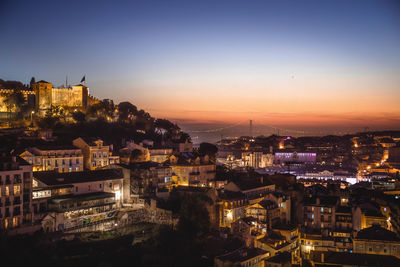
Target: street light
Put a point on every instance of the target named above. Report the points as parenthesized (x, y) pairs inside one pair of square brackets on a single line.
[(32, 112)]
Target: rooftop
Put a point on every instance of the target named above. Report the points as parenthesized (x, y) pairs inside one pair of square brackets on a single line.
[(281, 257), (242, 254), (51, 178), (88, 196), (376, 232), (323, 201), (141, 165), (251, 183), (355, 259)]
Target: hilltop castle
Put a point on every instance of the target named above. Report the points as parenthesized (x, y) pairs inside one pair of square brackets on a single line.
[(43, 96), (71, 97)]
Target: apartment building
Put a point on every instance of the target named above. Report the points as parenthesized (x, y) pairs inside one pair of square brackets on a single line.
[(15, 192), (57, 158), (96, 155)]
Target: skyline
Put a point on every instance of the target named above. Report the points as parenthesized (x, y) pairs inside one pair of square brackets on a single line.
[(308, 64)]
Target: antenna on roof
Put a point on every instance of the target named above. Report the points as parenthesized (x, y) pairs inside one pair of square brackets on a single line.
[(66, 81)]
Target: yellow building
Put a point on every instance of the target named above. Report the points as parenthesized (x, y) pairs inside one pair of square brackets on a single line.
[(364, 217), (95, 154), (192, 171)]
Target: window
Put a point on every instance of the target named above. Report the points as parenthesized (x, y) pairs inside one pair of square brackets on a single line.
[(17, 178), (77, 161), (15, 221), (110, 185), (99, 185), (27, 175), (7, 191), (17, 190), (76, 189), (63, 162)]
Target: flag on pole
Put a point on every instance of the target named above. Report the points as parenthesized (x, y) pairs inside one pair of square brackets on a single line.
[(83, 79)]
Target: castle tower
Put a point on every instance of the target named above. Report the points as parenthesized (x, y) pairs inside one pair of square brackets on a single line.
[(80, 96), (43, 96)]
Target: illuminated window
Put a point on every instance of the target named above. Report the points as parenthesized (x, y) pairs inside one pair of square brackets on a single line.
[(17, 190), (15, 221), (7, 191)]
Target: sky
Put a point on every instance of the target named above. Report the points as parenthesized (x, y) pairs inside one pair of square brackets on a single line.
[(281, 63)]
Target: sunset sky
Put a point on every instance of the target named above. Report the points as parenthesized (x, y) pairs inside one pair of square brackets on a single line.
[(298, 63)]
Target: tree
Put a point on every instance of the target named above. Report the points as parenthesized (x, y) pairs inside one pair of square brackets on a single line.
[(136, 155), (208, 149), (14, 102), (79, 116), (127, 111), (194, 217), (104, 109), (48, 122)]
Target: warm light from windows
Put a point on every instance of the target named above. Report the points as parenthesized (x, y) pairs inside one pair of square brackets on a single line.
[(229, 215), (118, 195)]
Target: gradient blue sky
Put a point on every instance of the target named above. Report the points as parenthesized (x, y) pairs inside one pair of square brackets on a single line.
[(278, 62)]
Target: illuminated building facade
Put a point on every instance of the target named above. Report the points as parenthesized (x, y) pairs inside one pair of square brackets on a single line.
[(47, 97), (95, 154), (377, 240), (15, 192), (283, 157), (61, 159), (96, 195)]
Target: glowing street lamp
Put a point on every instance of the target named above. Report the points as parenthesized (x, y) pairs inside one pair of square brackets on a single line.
[(32, 112)]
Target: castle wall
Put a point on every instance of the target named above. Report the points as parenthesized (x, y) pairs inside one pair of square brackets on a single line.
[(47, 96)]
